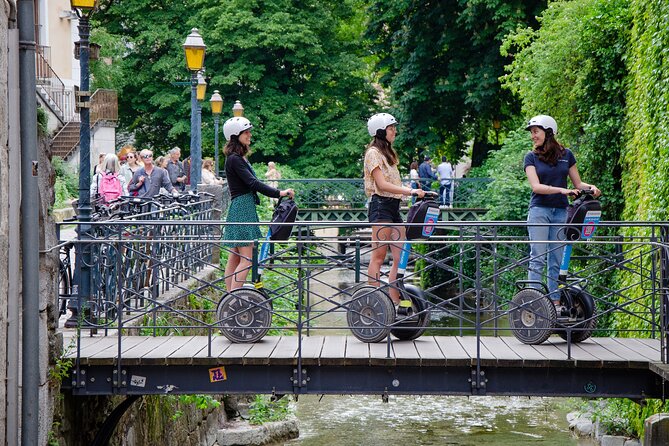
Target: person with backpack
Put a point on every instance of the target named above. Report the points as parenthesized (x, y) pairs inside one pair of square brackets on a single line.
[(244, 186), (384, 187), (548, 166), (108, 184)]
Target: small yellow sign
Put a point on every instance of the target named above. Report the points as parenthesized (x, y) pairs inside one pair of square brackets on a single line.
[(217, 374)]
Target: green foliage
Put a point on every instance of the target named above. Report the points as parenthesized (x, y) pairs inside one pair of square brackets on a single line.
[(507, 197), (441, 64), (65, 175), (202, 402), (62, 366), (298, 69), (646, 154), (573, 68), (264, 409), (42, 122)]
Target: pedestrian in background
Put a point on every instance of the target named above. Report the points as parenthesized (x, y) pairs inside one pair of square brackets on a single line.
[(148, 180), (445, 173), (176, 169), (426, 174)]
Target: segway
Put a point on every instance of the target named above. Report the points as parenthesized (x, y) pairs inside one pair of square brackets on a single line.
[(245, 314), (371, 314), (533, 317)]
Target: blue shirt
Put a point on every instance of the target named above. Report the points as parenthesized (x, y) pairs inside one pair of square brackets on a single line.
[(425, 171), (552, 176)]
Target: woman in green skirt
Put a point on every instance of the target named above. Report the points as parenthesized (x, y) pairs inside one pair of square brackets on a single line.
[(244, 187)]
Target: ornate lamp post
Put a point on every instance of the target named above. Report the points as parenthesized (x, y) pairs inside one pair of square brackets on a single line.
[(84, 9), (194, 49), (216, 102), (237, 109)]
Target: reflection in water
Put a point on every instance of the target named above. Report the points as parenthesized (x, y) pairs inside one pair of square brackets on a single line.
[(431, 420)]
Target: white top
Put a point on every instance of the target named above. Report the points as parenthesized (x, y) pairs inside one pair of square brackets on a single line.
[(445, 172), (413, 174), (208, 177)]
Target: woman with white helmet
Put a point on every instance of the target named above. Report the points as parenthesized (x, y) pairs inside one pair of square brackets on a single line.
[(548, 166), (384, 187), (244, 186)]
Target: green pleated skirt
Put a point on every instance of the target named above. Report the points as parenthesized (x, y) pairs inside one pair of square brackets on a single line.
[(242, 210)]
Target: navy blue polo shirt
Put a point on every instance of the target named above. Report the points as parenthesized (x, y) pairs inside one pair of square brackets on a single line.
[(552, 176)]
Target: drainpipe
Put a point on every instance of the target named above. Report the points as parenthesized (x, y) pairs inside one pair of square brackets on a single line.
[(29, 227)]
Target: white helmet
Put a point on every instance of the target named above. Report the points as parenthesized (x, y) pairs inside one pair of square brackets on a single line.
[(235, 126), (543, 121), (379, 122)]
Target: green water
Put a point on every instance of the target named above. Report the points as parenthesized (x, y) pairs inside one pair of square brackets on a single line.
[(432, 420)]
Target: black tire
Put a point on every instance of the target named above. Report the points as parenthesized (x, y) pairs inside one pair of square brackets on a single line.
[(586, 318), (532, 316), (244, 315), (370, 314), (413, 327)]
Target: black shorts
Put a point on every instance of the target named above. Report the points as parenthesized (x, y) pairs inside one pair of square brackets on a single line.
[(384, 209)]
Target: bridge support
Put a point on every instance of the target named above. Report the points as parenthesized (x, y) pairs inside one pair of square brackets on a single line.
[(104, 434)]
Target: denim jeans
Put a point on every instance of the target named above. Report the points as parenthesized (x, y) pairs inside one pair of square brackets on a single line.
[(540, 251)]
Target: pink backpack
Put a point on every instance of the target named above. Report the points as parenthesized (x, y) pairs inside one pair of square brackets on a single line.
[(109, 187)]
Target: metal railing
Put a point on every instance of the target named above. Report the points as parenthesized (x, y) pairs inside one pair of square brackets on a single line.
[(349, 193), (60, 98), (104, 106), (468, 274)]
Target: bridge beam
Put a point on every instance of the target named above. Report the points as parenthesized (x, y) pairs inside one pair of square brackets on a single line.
[(590, 382)]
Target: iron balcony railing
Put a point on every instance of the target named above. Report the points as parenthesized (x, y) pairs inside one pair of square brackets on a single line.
[(468, 273)]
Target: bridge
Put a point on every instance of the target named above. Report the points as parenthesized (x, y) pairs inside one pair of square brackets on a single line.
[(337, 199), (152, 326)]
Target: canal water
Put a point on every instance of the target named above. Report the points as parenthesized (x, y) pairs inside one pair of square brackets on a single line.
[(346, 420), (433, 420)]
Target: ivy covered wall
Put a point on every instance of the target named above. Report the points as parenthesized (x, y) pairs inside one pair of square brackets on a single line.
[(646, 150)]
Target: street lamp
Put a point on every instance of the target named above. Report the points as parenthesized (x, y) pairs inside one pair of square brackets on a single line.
[(216, 102), (83, 9), (237, 109), (194, 49)]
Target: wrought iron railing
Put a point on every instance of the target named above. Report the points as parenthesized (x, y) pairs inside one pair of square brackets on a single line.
[(59, 97), (349, 193), (468, 274)]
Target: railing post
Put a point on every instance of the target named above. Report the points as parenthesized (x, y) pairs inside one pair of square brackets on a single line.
[(664, 277)]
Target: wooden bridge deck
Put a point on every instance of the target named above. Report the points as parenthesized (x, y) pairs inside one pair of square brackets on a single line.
[(598, 367), (427, 351)]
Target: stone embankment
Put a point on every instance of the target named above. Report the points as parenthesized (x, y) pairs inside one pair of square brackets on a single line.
[(582, 425)]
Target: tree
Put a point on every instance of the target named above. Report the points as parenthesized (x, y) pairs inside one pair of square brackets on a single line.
[(441, 62), (298, 69), (573, 68)]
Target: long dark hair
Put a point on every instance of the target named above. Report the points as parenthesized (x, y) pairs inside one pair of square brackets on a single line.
[(551, 150), (384, 146), (235, 146)]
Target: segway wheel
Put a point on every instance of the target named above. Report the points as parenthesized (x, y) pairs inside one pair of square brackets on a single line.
[(370, 314), (532, 316), (412, 327), (585, 320), (244, 315)]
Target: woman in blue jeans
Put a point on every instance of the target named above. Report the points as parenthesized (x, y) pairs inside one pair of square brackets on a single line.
[(547, 168)]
